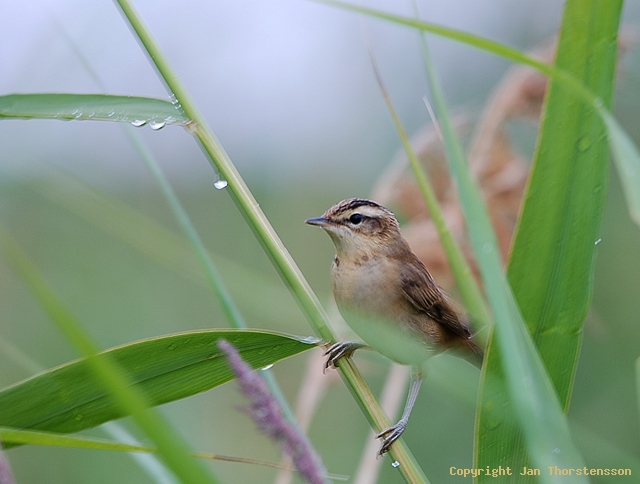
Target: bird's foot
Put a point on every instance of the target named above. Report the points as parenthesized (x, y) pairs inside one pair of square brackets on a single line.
[(390, 435), (340, 350)]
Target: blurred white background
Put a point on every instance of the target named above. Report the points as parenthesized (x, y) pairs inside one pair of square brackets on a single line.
[(287, 85)]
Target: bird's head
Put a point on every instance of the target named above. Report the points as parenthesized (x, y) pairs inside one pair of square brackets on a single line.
[(358, 226)]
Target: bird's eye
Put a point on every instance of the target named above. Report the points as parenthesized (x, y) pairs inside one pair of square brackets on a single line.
[(355, 219)]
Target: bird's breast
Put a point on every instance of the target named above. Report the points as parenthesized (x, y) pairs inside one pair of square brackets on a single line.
[(370, 298), (366, 285)]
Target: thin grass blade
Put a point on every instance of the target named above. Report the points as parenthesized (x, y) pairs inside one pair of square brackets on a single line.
[(97, 107), (9, 435), (267, 303), (103, 370), (272, 243), (467, 285), (31, 437), (622, 146), (528, 387), (627, 160), (638, 382), (551, 264)]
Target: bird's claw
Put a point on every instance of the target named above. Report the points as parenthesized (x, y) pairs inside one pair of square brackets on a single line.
[(340, 350), (390, 435)]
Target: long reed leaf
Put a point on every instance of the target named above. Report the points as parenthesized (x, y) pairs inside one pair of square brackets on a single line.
[(528, 386), (551, 264), (166, 368)]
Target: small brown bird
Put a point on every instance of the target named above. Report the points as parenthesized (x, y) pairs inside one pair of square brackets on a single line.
[(389, 298)]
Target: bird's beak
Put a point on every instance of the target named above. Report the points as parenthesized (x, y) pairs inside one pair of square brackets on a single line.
[(319, 221)]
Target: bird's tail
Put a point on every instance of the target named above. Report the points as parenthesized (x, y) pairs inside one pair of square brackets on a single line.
[(470, 352)]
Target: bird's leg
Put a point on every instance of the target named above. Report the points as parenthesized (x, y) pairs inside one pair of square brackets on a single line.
[(391, 434), (341, 350)]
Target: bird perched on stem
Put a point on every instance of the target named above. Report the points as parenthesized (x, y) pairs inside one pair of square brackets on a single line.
[(389, 298)]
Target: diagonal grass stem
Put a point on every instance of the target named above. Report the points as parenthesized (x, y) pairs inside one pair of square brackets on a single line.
[(270, 240)]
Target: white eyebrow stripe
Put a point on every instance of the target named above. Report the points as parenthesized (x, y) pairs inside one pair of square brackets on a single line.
[(369, 211)]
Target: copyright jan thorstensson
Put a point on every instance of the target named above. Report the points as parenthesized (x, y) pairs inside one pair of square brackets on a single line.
[(532, 471)]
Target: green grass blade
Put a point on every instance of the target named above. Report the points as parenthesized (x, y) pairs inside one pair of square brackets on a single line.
[(14, 436), (233, 315), (19, 437), (231, 311), (638, 382), (554, 246), (627, 160), (528, 387), (470, 39), (627, 157), (551, 264), (110, 376), (228, 306), (272, 243), (236, 185), (165, 369), (467, 285), (601, 453), (267, 303), (150, 463), (97, 107)]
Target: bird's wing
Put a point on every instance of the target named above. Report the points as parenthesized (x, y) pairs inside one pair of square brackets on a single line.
[(425, 295)]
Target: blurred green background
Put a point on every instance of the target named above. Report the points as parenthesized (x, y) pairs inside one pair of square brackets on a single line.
[(288, 88)]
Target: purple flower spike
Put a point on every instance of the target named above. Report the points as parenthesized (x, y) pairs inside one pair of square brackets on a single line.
[(267, 414)]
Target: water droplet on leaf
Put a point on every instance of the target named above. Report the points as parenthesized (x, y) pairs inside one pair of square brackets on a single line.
[(138, 122), (154, 125), (584, 143), (220, 184), (311, 339)]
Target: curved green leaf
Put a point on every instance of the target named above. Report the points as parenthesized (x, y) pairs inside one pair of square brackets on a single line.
[(98, 107), (166, 368), (525, 385), (551, 264)]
